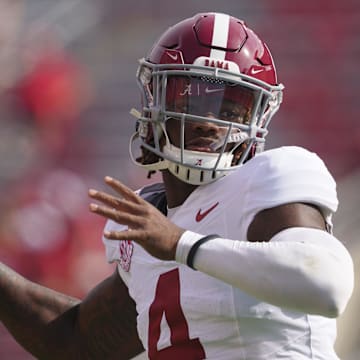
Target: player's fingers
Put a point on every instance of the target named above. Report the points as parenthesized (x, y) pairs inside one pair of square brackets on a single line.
[(138, 236), (121, 217), (122, 189), (105, 198), (115, 202), (123, 235), (143, 239)]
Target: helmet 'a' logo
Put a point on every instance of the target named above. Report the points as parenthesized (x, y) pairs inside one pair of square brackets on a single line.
[(198, 162)]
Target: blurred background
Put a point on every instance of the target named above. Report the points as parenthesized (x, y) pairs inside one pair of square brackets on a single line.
[(67, 83)]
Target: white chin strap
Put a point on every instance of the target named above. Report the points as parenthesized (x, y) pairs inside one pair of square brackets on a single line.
[(188, 171)]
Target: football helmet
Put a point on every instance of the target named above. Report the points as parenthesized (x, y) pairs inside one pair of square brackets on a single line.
[(209, 90)]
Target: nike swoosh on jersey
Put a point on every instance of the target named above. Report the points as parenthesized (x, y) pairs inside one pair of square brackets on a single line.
[(200, 215)]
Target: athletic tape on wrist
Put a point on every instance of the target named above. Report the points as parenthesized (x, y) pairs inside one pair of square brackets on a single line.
[(195, 247)]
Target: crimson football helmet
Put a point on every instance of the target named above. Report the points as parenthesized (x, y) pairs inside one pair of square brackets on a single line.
[(209, 90)]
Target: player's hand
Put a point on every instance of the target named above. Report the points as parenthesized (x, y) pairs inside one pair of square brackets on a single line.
[(146, 224)]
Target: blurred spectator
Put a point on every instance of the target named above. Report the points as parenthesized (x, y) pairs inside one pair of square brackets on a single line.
[(46, 231), (53, 92)]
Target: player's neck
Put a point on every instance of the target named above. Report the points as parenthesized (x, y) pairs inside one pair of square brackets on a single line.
[(177, 191)]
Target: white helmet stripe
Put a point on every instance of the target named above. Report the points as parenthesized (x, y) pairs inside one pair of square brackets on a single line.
[(220, 35)]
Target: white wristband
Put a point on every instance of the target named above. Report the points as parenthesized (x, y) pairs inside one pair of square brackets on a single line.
[(187, 240)]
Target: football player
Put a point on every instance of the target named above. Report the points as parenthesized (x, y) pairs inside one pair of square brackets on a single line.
[(232, 256)]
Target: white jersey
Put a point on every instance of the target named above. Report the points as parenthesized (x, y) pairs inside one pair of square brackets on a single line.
[(186, 314)]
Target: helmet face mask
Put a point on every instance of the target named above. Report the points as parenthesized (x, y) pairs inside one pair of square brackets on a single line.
[(204, 118)]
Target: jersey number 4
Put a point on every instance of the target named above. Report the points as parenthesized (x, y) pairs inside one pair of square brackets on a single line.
[(167, 301)]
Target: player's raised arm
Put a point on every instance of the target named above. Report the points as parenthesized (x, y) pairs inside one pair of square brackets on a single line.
[(51, 325)]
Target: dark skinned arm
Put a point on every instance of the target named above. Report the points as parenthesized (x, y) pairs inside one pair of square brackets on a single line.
[(269, 222), (51, 325)]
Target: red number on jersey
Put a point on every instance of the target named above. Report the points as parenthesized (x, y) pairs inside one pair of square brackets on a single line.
[(167, 301)]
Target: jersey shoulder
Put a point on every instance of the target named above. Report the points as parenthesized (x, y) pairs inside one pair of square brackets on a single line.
[(290, 174)]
